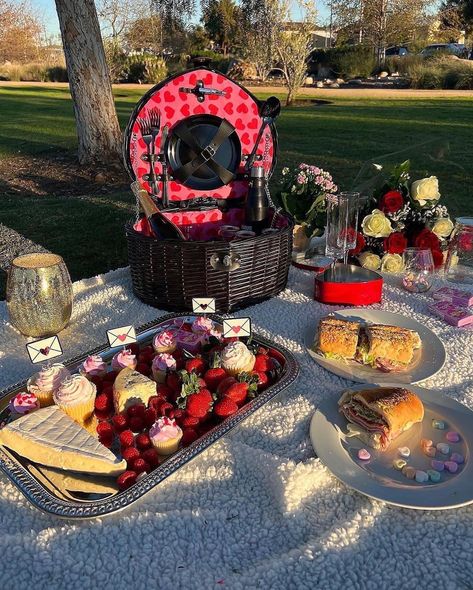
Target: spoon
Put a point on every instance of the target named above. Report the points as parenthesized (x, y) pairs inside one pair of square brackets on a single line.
[(269, 110)]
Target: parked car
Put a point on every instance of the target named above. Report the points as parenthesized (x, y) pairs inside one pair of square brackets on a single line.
[(396, 51), (457, 49)]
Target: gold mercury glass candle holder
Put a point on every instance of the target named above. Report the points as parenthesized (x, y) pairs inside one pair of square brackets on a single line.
[(39, 294)]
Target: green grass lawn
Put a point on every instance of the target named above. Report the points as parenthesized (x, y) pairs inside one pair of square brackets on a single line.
[(340, 136)]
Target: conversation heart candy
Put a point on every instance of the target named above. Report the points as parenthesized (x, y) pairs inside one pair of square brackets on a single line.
[(438, 465), (421, 476), (452, 436), (433, 475), (426, 442), (430, 451), (364, 455), (443, 448), (457, 458), (404, 451), (438, 424), (409, 472), (451, 466), (399, 464)]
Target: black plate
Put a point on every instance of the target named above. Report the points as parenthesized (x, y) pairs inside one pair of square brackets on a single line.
[(203, 128)]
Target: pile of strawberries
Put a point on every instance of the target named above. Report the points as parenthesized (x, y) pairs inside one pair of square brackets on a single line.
[(198, 396)]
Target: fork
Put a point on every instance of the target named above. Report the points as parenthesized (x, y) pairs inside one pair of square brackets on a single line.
[(155, 122), (145, 127)]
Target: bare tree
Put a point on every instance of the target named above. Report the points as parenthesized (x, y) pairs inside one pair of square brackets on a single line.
[(295, 44), (96, 118), (20, 37)]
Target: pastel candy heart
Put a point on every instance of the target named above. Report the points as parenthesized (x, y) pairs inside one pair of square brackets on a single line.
[(426, 442), (457, 458), (404, 451), (451, 466), (430, 451), (433, 475), (452, 436), (438, 424), (443, 448), (399, 464), (409, 472), (421, 476), (438, 465), (364, 455)]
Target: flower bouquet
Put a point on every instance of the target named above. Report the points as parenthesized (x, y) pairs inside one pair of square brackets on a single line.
[(402, 212), (303, 191)]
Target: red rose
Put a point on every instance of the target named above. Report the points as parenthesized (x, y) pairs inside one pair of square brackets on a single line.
[(426, 239), (391, 202), (465, 242), (395, 243), (437, 255), (360, 244)]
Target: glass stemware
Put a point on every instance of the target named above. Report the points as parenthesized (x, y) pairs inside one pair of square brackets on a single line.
[(418, 270), (342, 221), (459, 265)]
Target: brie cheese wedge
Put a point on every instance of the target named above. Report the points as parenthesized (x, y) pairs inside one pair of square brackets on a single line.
[(49, 437), (131, 388)]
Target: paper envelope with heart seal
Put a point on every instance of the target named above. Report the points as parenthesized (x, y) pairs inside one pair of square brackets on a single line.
[(121, 336), (237, 327), (44, 350), (203, 305)]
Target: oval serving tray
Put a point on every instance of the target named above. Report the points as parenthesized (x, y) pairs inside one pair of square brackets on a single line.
[(44, 488)]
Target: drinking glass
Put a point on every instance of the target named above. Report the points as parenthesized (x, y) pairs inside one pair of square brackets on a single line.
[(342, 221), (418, 270), (39, 294), (459, 265)]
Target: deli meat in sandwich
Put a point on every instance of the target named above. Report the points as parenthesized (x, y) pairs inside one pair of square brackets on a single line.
[(382, 413)]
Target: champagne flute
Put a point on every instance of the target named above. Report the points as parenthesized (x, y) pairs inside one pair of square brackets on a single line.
[(342, 220)]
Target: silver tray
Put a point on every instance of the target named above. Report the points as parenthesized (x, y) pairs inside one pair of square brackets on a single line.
[(47, 493)]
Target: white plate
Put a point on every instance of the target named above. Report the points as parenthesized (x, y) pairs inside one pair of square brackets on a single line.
[(428, 360), (377, 478)]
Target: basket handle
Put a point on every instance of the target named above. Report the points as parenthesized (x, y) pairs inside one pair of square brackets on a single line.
[(226, 262)]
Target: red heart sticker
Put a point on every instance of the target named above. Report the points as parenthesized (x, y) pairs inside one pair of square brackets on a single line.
[(253, 124), (45, 351), (213, 109), (169, 112), (239, 124), (236, 329), (121, 337), (245, 139)]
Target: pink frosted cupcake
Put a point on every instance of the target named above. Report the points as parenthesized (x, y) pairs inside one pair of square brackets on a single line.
[(93, 366), (206, 327), (76, 398), (44, 383), (165, 342), (165, 435), (24, 403), (162, 365), (124, 358)]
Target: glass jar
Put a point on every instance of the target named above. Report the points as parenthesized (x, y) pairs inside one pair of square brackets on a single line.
[(459, 265)]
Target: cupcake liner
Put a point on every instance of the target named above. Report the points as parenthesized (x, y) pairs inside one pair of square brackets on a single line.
[(45, 398), (80, 411), (236, 370), (165, 349), (91, 425), (167, 447), (159, 376)]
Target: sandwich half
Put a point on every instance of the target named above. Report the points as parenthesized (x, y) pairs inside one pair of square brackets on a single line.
[(381, 414), (337, 339), (388, 348)]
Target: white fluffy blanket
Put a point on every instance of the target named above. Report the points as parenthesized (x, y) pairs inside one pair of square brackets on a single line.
[(256, 510)]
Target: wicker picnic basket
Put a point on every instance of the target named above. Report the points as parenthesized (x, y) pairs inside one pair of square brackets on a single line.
[(168, 274)]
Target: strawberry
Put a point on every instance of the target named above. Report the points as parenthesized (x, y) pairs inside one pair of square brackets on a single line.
[(110, 376), (189, 436), (105, 430), (263, 379), (198, 404), (136, 410), (97, 381), (106, 441), (136, 424), (119, 422), (195, 365), (140, 465), (189, 421), (150, 417), (126, 439), (225, 407), (103, 403), (225, 384), (237, 392), (178, 415), (151, 457), (163, 390), (144, 369), (130, 454), (155, 402), (134, 348), (143, 442), (262, 363), (126, 480), (213, 377), (165, 408)]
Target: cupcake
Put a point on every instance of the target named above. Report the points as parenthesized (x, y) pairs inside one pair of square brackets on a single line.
[(76, 398), (165, 435), (237, 358), (93, 366), (165, 342), (124, 358), (44, 383), (202, 325), (24, 403), (162, 365)]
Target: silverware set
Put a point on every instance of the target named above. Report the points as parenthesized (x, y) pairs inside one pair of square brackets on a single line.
[(150, 127)]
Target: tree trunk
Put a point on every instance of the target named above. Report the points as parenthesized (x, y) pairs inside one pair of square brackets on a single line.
[(290, 96), (89, 80)]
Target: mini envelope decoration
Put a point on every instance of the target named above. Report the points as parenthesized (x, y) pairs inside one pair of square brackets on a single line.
[(121, 336), (44, 350), (237, 327), (203, 305)]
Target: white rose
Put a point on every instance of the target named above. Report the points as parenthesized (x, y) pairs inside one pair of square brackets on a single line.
[(443, 227), (392, 263), (377, 225), (426, 189), (369, 260)]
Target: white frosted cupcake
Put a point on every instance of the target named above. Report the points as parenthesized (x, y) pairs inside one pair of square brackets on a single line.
[(124, 358), (237, 358), (46, 381), (162, 365), (165, 435), (76, 397), (165, 342), (93, 366)]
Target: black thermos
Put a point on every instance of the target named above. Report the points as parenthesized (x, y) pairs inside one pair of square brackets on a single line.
[(257, 203)]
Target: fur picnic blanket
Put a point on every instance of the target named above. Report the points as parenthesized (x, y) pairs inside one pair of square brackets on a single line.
[(256, 510)]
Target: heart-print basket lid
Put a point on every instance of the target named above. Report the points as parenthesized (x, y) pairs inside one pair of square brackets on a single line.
[(229, 117)]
